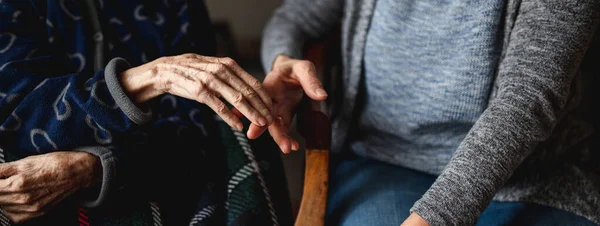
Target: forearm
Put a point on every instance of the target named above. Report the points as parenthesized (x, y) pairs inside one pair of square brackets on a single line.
[(141, 83), (495, 146), (545, 49)]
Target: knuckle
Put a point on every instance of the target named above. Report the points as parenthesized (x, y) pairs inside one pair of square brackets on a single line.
[(17, 184), (228, 61), (166, 60), (238, 98), (213, 84), (221, 108), (249, 92), (255, 84), (252, 95), (160, 66), (305, 65), (201, 87), (204, 76), (219, 68), (208, 82), (162, 60), (165, 84), (188, 55), (200, 90), (229, 79)]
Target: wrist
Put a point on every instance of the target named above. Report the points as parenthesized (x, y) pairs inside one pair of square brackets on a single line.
[(140, 83), (87, 166), (96, 173)]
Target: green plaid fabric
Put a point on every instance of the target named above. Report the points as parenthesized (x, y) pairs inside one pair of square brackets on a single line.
[(251, 190)]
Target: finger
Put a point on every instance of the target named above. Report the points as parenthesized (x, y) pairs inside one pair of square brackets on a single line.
[(10, 199), (255, 131), (225, 74), (237, 112), (188, 87), (305, 73), (19, 198), (250, 94), (13, 184), (245, 76), (7, 169), (197, 85), (295, 145), (250, 80), (31, 202), (233, 77), (235, 98), (20, 217), (280, 137), (183, 73), (19, 208), (278, 131), (221, 109)]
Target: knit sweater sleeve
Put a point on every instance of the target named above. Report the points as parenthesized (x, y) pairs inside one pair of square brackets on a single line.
[(294, 23), (545, 48)]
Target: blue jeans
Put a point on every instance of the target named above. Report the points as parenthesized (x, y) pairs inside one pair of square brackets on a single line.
[(369, 192)]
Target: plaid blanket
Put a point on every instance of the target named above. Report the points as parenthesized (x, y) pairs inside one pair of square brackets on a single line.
[(250, 189)]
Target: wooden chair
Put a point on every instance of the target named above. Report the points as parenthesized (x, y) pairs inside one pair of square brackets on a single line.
[(313, 124)]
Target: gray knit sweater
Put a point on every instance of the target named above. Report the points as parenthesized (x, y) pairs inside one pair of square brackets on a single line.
[(428, 68), (527, 145)]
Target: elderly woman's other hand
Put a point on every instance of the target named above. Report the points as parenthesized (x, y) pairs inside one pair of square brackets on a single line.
[(31, 186)]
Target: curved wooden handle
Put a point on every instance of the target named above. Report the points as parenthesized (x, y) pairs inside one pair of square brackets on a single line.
[(314, 126), (314, 197)]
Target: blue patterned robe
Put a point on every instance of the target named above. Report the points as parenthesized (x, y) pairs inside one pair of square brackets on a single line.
[(54, 97)]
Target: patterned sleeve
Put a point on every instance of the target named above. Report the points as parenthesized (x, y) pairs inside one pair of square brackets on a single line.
[(44, 106)]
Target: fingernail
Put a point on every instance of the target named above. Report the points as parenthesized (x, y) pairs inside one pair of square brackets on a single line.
[(282, 150), (321, 92), (269, 119), (240, 127), (262, 121)]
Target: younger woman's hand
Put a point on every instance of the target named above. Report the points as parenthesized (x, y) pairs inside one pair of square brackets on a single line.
[(414, 220)]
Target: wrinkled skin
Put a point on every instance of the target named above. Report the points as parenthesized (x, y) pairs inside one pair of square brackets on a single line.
[(33, 185), (203, 79)]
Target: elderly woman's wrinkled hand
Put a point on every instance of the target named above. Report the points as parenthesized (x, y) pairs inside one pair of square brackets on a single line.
[(204, 79), (32, 186)]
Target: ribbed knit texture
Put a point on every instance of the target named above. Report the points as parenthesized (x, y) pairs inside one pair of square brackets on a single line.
[(429, 66), (528, 144)]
